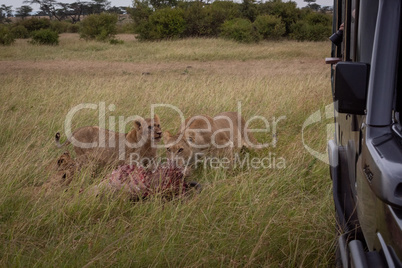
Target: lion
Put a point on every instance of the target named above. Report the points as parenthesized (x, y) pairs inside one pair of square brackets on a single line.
[(201, 136), (107, 147), (62, 171)]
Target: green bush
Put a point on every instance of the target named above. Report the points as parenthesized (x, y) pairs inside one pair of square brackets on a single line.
[(59, 26), (35, 24), (6, 37), (318, 18), (45, 37), (164, 23), (101, 27), (20, 31), (196, 17), (303, 31), (249, 10), (287, 11), (206, 20), (219, 12), (270, 27), (140, 12), (241, 30), (246, 22), (313, 27)]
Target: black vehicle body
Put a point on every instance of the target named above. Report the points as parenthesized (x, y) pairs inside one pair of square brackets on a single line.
[(366, 153)]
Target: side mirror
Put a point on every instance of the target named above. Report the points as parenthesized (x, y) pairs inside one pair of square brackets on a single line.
[(351, 83)]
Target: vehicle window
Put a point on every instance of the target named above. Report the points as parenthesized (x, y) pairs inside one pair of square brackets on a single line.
[(350, 20), (353, 30), (398, 102), (367, 17), (341, 7), (339, 15)]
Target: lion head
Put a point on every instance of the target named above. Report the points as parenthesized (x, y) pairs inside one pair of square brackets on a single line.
[(178, 149)]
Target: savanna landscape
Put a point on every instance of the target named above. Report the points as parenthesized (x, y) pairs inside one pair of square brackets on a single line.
[(265, 216)]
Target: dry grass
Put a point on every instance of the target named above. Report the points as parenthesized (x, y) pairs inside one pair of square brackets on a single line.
[(72, 48), (244, 217)]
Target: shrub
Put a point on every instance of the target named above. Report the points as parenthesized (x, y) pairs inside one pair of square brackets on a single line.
[(313, 27), (164, 23), (287, 11), (241, 30), (59, 26), (140, 12), (45, 37), (35, 24), (249, 9), (20, 31), (270, 27), (196, 16), (303, 31), (318, 18), (6, 37), (206, 20), (101, 27), (219, 12)]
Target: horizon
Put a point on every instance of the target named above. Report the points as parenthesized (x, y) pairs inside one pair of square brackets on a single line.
[(129, 3)]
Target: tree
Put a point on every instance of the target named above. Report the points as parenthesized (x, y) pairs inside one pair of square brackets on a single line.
[(47, 7), (99, 6), (287, 11), (5, 13), (101, 27), (23, 11), (309, 2), (166, 23), (312, 5), (41, 14), (326, 9), (315, 7), (159, 4), (116, 10), (140, 12), (75, 10), (249, 10)]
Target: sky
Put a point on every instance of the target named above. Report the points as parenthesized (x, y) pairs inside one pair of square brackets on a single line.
[(17, 3)]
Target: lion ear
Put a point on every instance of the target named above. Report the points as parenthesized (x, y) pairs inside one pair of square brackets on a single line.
[(137, 124), (166, 136), (156, 119)]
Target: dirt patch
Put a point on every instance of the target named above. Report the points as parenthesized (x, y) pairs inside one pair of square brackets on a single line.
[(249, 68)]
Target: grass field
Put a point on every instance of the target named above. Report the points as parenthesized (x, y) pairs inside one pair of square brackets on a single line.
[(280, 216)]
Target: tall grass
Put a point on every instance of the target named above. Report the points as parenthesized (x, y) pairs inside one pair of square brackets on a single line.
[(275, 217)]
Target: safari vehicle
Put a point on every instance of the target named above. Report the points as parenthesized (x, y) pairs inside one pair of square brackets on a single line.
[(366, 153)]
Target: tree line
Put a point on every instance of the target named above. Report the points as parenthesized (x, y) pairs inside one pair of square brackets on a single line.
[(246, 21), (58, 10)]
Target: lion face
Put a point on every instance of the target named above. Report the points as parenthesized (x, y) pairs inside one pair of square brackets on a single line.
[(64, 170), (154, 129), (178, 150), (65, 162)]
